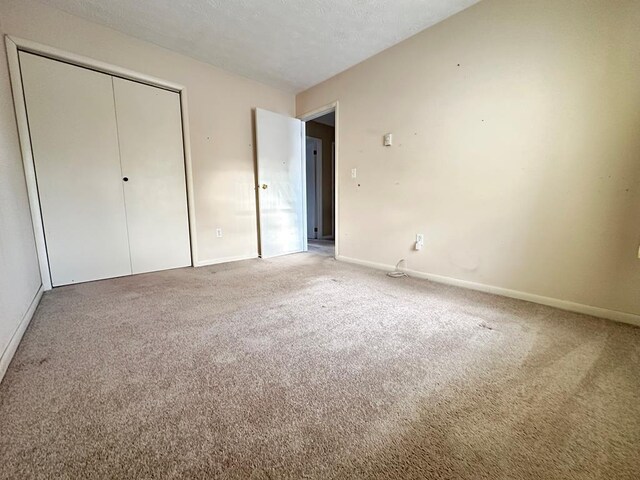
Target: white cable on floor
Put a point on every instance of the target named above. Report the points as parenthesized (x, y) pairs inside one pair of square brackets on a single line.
[(397, 273)]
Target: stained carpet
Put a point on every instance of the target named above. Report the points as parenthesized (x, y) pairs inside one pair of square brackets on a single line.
[(304, 367)]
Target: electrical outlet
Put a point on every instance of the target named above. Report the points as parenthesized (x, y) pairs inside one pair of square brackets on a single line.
[(353, 173), (419, 241), (219, 232)]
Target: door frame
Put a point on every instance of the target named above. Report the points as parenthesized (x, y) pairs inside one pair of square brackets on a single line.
[(311, 115), (333, 187), (14, 45), (318, 182)]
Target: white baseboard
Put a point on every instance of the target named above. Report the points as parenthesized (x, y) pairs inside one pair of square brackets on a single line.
[(618, 316), (8, 353), (204, 263)]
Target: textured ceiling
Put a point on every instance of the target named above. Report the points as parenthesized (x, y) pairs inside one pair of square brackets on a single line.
[(290, 44)]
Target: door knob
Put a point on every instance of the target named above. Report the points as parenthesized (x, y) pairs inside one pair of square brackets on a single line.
[(264, 186), (125, 179)]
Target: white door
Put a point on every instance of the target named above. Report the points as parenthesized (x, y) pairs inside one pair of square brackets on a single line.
[(311, 158), (152, 157), (281, 184), (73, 131)]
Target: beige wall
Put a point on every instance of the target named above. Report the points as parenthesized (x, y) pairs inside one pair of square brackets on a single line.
[(325, 133), (516, 150), (220, 119)]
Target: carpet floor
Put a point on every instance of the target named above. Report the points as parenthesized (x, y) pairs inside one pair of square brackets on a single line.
[(304, 367)]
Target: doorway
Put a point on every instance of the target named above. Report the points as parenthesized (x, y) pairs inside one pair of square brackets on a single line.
[(297, 199), (320, 175)]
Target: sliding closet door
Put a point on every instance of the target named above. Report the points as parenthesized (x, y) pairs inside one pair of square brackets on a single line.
[(151, 149), (75, 147)]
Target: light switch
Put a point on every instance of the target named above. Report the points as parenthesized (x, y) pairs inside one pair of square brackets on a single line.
[(388, 139)]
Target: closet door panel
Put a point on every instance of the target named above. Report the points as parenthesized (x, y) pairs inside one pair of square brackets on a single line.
[(152, 156), (73, 131)]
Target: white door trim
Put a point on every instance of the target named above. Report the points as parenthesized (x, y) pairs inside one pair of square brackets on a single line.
[(318, 146), (13, 46), (318, 112), (331, 236)]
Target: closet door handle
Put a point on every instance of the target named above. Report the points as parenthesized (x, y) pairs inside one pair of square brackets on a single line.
[(125, 179)]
